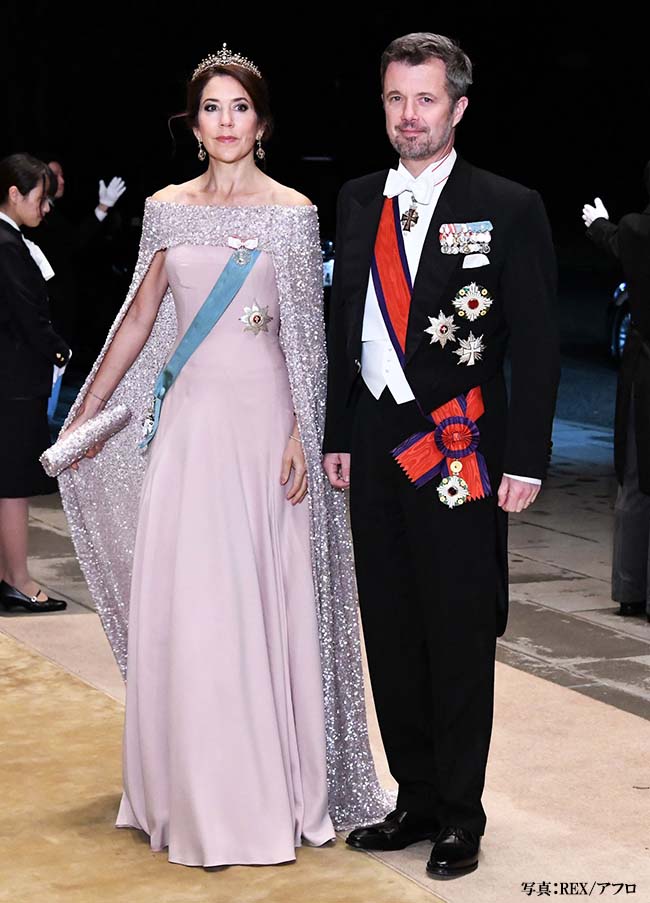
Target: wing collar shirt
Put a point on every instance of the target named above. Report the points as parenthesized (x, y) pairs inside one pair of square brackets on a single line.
[(380, 366)]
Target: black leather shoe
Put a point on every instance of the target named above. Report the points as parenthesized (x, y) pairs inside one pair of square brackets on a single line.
[(628, 609), (398, 830), (454, 853), (10, 598)]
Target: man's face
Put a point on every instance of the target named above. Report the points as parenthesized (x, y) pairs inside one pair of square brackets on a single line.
[(420, 117), (57, 169)]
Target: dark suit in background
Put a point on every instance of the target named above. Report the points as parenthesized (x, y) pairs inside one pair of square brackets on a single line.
[(66, 245), (29, 349), (629, 243)]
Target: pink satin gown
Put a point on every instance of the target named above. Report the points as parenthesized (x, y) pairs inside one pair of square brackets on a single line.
[(224, 743)]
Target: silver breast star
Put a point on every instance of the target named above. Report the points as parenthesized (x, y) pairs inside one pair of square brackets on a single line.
[(442, 329), (256, 319), (471, 350)]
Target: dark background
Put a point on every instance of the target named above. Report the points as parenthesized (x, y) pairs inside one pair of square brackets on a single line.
[(560, 105)]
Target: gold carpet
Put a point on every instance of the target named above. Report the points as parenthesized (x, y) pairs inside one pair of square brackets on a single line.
[(59, 791)]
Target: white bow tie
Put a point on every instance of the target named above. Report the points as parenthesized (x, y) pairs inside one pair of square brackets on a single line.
[(421, 189)]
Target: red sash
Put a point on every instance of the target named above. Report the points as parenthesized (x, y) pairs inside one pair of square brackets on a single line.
[(391, 276), (455, 435)]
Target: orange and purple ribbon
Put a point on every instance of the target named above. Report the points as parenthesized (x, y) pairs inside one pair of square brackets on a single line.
[(455, 435)]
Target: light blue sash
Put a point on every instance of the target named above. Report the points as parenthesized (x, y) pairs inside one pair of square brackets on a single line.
[(215, 305)]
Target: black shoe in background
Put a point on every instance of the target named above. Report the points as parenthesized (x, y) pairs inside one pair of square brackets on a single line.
[(11, 598)]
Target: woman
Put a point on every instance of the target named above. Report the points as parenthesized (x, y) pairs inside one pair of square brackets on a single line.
[(29, 351), (226, 736)]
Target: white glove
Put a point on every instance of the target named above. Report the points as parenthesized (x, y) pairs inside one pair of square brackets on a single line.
[(589, 213), (111, 193)]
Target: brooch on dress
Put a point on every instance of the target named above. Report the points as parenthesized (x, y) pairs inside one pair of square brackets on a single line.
[(256, 319), (472, 301), (242, 249)]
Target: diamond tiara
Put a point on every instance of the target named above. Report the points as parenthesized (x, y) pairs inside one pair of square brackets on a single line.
[(225, 57)]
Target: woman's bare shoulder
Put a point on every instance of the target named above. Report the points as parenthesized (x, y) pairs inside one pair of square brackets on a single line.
[(168, 193), (174, 194), (289, 197)]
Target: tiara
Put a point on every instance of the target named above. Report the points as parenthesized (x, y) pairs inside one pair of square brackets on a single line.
[(225, 57)]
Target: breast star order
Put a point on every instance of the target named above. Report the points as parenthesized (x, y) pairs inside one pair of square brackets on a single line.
[(471, 350), (442, 329), (256, 319)]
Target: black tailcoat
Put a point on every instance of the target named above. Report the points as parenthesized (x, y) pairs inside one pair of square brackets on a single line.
[(629, 243), (521, 279), (433, 581)]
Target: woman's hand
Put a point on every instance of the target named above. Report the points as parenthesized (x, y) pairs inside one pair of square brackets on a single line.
[(294, 457), (90, 406)]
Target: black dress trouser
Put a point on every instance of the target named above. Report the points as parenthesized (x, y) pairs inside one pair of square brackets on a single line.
[(427, 578), (631, 558)]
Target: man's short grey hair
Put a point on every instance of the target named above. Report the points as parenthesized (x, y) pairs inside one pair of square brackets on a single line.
[(418, 47)]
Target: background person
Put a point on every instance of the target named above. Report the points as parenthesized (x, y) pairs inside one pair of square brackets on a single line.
[(29, 350), (629, 244), (64, 241)]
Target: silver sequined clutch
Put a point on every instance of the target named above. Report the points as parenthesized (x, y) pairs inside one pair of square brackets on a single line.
[(99, 428)]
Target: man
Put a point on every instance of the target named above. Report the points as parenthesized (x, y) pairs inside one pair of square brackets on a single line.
[(629, 243), (439, 268), (66, 244)]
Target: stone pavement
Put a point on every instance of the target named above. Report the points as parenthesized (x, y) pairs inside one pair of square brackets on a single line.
[(563, 625)]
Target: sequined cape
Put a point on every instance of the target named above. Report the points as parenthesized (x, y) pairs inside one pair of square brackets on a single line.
[(101, 498)]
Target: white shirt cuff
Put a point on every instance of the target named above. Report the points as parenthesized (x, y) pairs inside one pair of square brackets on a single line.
[(532, 480), (100, 214)]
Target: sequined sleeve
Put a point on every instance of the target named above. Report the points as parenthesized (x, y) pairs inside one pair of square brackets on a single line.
[(354, 791), (101, 498)]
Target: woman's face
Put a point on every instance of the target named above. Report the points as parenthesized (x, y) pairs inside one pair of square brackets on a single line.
[(29, 209), (228, 125)]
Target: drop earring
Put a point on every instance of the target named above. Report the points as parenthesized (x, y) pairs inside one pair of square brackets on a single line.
[(260, 153), (201, 154)]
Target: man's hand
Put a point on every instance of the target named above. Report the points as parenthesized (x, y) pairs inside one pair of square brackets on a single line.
[(516, 495), (337, 467), (590, 213)]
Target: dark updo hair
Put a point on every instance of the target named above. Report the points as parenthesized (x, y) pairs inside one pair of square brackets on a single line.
[(25, 172), (255, 86)]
